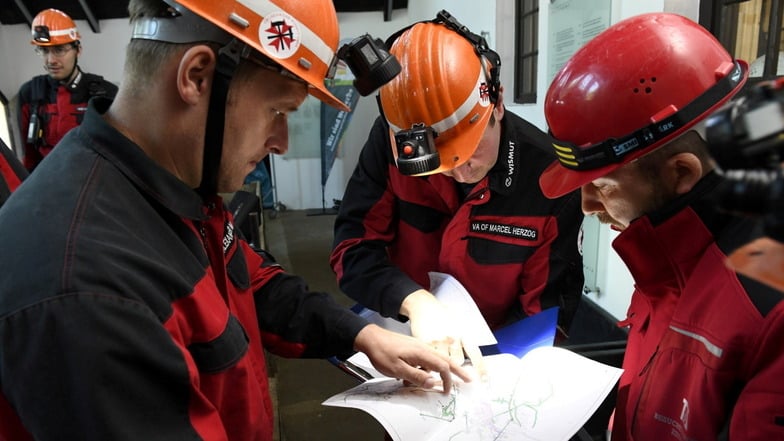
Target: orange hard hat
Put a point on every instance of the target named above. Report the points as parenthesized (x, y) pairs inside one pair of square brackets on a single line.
[(633, 88), (300, 36), (52, 27), (444, 85)]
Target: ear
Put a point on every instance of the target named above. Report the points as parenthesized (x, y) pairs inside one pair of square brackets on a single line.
[(499, 105), (194, 74), (683, 171)]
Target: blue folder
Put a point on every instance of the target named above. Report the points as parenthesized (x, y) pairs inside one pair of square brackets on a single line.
[(523, 335)]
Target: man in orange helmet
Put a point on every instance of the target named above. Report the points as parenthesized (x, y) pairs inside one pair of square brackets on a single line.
[(447, 182), (130, 308), (50, 105), (704, 357)]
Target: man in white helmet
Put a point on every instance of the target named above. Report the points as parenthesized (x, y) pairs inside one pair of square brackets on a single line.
[(129, 307)]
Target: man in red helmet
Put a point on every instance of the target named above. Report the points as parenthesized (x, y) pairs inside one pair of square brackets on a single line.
[(130, 308), (448, 182), (50, 105), (704, 358)]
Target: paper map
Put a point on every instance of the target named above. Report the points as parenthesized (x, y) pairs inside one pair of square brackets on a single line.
[(547, 395)]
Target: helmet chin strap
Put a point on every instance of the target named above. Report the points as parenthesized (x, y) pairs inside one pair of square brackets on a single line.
[(69, 80), (228, 60)]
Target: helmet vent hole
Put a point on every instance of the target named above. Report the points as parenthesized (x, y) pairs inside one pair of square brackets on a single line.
[(647, 89)]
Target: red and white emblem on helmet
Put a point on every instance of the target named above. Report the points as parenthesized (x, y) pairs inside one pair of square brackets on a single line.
[(280, 35), (484, 93)]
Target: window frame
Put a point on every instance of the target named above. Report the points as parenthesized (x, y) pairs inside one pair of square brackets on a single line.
[(721, 19), (526, 63)]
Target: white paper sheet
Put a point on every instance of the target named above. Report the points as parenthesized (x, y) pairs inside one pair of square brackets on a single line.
[(547, 395), (455, 297), (449, 291)]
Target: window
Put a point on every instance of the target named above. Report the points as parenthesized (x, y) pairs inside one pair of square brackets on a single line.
[(750, 30), (526, 50)]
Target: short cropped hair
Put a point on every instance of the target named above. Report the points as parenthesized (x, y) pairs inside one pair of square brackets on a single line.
[(144, 58), (689, 142)]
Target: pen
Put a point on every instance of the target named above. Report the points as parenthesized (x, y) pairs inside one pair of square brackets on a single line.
[(351, 369)]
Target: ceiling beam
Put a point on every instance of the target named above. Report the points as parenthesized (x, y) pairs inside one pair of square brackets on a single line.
[(26, 12), (88, 13)]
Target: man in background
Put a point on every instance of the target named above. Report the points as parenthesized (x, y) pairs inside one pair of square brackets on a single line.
[(52, 104)]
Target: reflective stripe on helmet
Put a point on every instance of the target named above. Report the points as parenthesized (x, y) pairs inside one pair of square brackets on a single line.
[(462, 111), (63, 32), (310, 39)]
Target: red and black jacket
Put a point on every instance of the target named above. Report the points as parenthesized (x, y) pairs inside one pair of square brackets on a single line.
[(12, 172), (705, 354), (60, 107), (513, 249), (131, 310)]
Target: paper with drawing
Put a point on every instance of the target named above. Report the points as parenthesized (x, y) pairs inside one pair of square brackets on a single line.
[(547, 395)]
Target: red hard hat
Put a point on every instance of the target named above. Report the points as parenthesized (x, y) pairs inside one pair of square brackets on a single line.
[(52, 27), (633, 88)]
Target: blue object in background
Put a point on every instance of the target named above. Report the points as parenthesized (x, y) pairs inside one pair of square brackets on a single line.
[(261, 174), (523, 335)]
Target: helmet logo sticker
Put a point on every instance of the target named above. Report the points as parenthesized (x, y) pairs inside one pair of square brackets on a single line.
[(279, 34), (484, 93)]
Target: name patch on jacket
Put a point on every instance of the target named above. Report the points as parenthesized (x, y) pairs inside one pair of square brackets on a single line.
[(505, 230), (228, 236)]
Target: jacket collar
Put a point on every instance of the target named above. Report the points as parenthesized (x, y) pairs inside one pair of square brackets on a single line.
[(147, 175), (661, 248), (504, 174)]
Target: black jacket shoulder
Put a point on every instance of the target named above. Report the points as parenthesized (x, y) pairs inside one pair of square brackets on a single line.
[(98, 86)]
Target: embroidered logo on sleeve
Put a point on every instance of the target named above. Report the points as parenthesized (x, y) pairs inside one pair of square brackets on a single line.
[(507, 230), (228, 236)]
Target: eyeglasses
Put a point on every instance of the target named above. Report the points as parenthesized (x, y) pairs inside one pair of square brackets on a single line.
[(57, 51)]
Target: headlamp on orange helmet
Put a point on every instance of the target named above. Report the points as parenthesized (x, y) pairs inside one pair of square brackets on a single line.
[(369, 61), (52, 27), (438, 110)]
